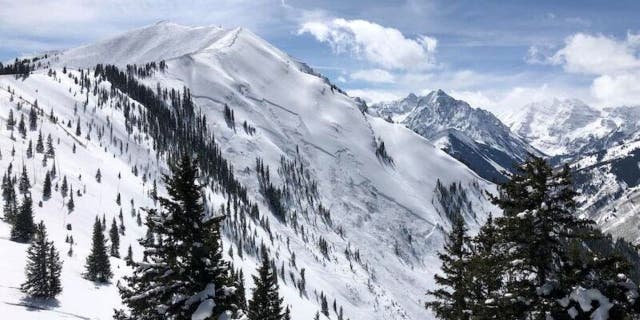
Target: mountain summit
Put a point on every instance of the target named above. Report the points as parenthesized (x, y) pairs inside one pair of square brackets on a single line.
[(474, 136)]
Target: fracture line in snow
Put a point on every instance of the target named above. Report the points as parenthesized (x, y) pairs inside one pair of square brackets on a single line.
[(208, 98), (271, 103)]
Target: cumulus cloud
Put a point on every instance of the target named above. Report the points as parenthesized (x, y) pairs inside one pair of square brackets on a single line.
[(614, 64), (373, 75), (598, 54), (385, 47)]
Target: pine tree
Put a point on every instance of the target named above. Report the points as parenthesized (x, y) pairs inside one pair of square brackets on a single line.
[(129, 258), (539, 218), (22, 128), (485, 268), (43, 267), (24, 185), (51, 151), (10, 206), (98, 176), (115, 239), (98, 267), (23, 227), (33, 118), (29, 151), (11, 121), (265, 303), (39, 143), (64, 188), (450, 298), (46, 187), (78, 131), (71, 204), (186, 244)]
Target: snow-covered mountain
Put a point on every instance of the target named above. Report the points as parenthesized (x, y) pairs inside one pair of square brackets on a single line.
[(601, 145), (570, 127), (367, 226), (474, 136)]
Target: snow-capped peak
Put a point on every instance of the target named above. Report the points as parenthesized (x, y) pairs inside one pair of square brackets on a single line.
[(161, 41)]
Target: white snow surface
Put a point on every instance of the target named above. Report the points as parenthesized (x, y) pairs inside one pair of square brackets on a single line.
[(382, 209)]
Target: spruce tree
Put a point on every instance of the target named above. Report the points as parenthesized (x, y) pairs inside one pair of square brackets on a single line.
[(10, 206), (450, 297), (71, 204), (98, 267), (46, 187), (23, 227), (51, 151), (539, 218), (129, 258), (185, 270), (39, 143), (29, 151), (265, 303), (43, 267), (24, 185), (64, 188), (115, 239)]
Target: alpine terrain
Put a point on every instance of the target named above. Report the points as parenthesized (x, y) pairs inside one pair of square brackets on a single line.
[(348, 208)]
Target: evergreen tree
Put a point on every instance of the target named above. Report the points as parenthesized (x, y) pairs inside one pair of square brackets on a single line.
[(71, 204), (33, 118), (22, 128), (39, 143), (450, 298), (539, 218), (51, 151), (29, 151), (10, 206), (185, 270), (11, 121), (43, 267), (265, 303), (129, 258), (115, 239), (98, 176), (485, 271), (78, 131), (46, 187), (24, 185), (64, 188), (98, 267), (23, 227)]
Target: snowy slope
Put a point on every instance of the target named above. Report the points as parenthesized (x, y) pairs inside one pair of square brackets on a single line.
[(386, 213), (474, 136)]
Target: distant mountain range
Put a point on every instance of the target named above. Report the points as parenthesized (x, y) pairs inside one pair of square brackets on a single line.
[(474, 136)]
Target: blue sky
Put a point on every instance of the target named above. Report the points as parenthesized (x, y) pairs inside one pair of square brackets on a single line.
[(494, 54)]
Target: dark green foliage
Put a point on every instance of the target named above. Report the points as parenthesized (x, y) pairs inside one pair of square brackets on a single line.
[(43, 267), (98, 267), (115, 239), (46, 187), (24, 185), (453, 285), (265, 302), (39, 143), (23, 226), (183, 265)]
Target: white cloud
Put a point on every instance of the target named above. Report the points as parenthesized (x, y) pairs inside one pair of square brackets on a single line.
[(613, 63), (385, 47), (598, 54), (376, 95), (373, 75), (616, 90)]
